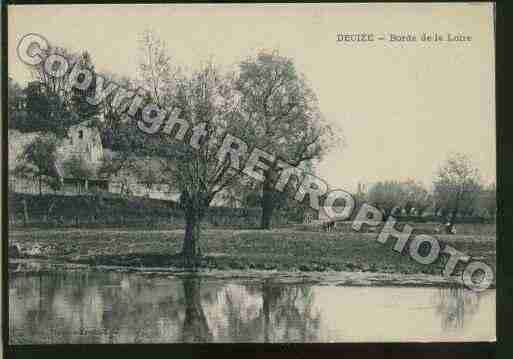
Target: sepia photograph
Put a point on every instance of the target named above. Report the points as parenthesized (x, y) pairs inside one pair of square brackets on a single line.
[(250, 173)]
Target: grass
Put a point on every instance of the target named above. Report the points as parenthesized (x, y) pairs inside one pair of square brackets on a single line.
[(283, 249), (472, 229)]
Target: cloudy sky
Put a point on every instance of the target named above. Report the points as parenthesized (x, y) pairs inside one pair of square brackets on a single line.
[(403, 106)]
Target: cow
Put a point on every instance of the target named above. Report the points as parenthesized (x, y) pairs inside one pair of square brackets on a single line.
[(450, 228), (329, 226)]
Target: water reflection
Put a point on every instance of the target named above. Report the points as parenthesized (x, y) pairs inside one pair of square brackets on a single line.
[(288, 314), (195, 326), (271, 312), (454, 305), (97, 307)]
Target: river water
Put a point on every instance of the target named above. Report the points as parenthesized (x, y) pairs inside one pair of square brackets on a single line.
[(111, 307)]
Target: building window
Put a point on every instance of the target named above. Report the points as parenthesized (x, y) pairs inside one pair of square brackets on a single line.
[(80, 134)]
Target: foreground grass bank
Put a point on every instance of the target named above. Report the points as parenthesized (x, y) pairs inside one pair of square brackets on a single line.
[(282, 249)]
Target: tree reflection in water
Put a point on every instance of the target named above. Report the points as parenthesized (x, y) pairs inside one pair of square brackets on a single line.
[(285, 314), (195, 326), (288, 315), (98, 307), (455, 305)]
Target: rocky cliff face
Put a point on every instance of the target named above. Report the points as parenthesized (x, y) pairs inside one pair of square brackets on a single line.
[(82, 141)]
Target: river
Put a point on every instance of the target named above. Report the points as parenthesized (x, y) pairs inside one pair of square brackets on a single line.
[(110, 307)]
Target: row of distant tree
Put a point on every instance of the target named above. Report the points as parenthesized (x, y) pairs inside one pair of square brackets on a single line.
[(457, 191)]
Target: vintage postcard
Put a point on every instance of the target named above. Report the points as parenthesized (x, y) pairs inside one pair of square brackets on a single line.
[(251, 173)]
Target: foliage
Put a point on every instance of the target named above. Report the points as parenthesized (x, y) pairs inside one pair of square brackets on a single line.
[(52, 105), (388, 196), (457, 186), (14, 95), (37, 161), (486, 202), (206, 99), (156, 75), (281, 117), (148, 172), (416, 198), (77, 167), (395, 197)]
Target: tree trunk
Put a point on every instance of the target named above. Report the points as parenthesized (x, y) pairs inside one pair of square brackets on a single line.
[(25, 213), (267, 204), (266, 308), (49, 212), (195, 326), (190, 249)]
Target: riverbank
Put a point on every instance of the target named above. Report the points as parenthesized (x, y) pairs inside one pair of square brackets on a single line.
[(28, 267), (283, 250)]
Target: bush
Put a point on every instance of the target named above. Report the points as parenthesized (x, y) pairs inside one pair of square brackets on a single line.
[(115, 210)]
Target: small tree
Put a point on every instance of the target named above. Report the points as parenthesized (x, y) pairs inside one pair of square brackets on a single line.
[(15, 105), (148, 173), (157, 76), (416, 197), (456, 186), (387, 196), (487, 201), (38, 162)]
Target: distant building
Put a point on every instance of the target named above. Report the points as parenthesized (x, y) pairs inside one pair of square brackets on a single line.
[(84, 142), (81, 142)]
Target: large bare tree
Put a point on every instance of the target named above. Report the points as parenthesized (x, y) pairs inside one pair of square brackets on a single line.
[(203, 108), (207, 103)]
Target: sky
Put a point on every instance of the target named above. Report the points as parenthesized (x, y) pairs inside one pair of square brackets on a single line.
[(403, 107)]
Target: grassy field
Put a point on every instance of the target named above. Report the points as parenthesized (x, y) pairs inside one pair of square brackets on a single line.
[(286, 249)]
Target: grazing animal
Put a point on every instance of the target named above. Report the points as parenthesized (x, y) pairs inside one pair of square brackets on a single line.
[(328, 226), (450, 228)]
